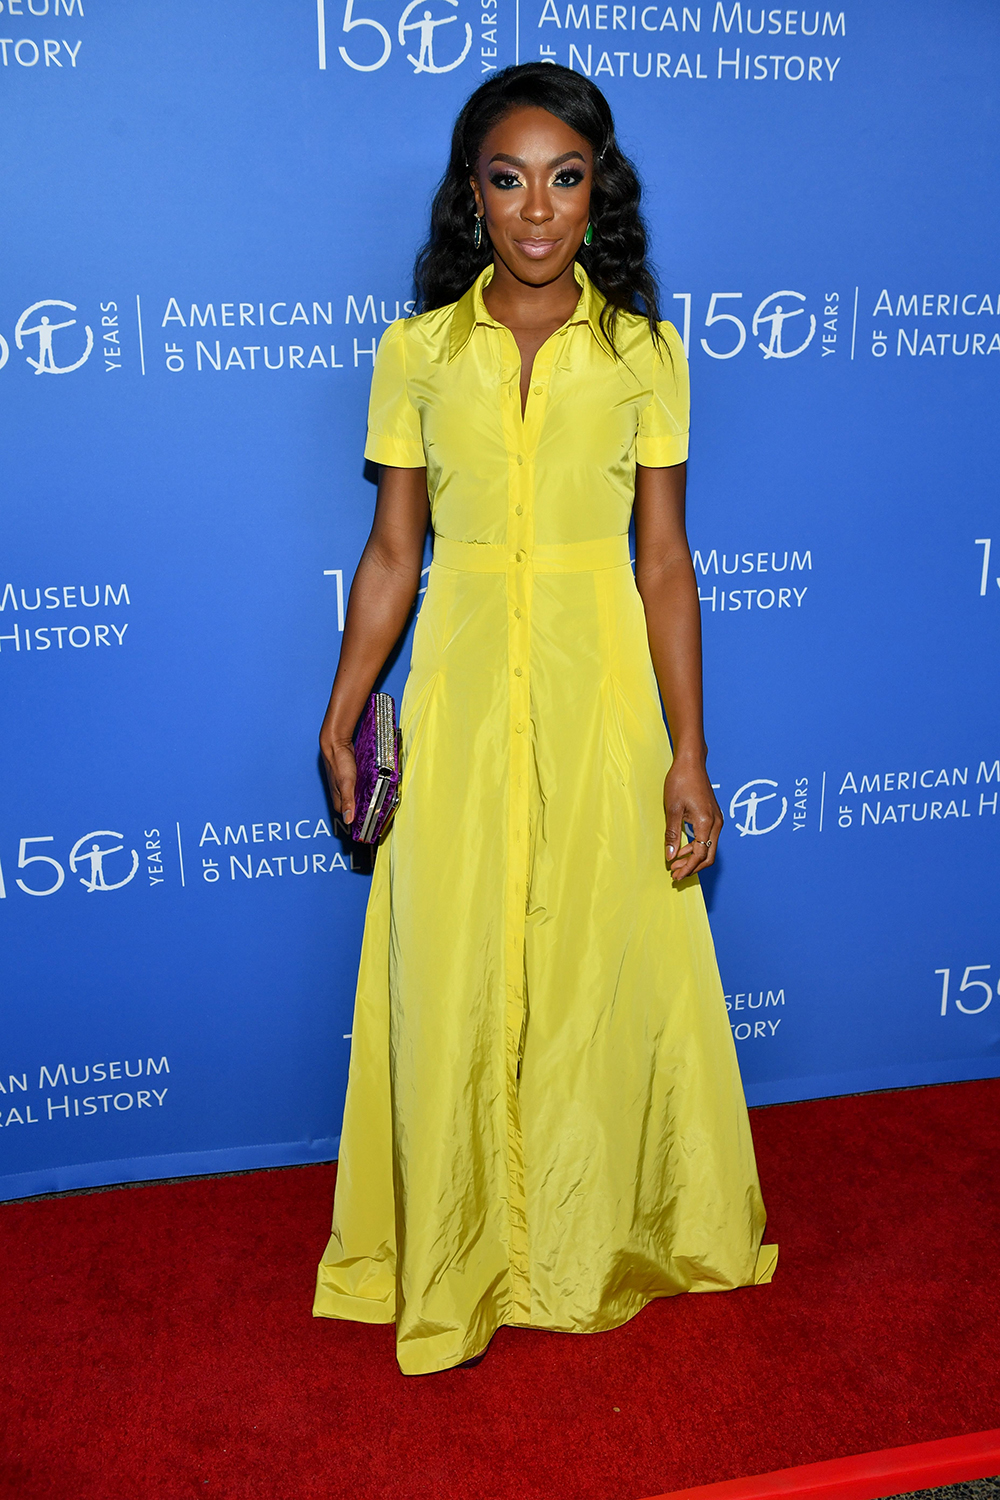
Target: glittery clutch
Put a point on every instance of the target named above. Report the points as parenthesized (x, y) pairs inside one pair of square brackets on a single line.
[(376, 751)]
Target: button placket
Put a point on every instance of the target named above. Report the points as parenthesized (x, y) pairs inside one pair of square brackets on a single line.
[(522, 433), (520, 536)]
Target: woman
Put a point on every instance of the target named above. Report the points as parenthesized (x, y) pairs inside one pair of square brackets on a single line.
[(545, 1124)]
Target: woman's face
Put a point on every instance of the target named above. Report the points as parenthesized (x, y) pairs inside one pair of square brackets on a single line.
[(532, 182)]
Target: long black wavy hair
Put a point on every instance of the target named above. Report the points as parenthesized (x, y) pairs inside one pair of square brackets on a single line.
[(616, 261)]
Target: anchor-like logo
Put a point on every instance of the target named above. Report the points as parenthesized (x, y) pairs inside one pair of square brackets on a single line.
[(424, 62), (749, 798), (44, 329)]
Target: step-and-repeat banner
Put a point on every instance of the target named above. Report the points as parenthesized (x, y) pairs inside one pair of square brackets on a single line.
[(210, 217)]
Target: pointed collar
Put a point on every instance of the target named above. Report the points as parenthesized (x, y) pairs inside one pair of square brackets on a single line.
[(471, 310)]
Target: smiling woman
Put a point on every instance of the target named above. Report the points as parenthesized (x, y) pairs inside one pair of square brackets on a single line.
[(609, 244), (545, 1124)]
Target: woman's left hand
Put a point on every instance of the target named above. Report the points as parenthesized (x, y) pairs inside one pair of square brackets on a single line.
[(688, 798)]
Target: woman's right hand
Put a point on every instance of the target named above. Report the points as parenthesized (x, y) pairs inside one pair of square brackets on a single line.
[(341, 770), (382, 595)]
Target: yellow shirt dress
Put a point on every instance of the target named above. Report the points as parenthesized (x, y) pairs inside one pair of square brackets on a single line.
[(545, 1124)]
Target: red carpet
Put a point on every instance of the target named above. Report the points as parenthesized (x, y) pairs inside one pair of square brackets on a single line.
[(868, 1476), (156, 1342)]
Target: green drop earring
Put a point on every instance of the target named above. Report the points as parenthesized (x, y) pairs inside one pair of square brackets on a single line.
[(477, 233), (588, 238)]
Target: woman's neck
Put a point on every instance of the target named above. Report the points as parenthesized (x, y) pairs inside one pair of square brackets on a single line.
[(517, 304)]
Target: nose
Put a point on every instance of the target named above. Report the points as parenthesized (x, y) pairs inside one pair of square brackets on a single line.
[(537, 206)]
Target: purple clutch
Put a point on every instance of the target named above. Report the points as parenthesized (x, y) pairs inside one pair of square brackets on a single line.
[(376, 750)]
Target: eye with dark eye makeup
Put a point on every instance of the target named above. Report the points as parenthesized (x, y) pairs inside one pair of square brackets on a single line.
[(505, 180), (569, 177)]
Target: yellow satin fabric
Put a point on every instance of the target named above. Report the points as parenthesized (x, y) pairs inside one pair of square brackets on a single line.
[(545, 1123)]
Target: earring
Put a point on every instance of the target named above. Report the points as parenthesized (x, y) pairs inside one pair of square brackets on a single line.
[(589, 236), (477, 233)]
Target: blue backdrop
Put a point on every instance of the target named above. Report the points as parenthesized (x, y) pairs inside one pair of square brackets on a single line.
[(210, 215)]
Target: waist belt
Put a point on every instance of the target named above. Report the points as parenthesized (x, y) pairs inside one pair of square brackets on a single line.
[(546, 557)]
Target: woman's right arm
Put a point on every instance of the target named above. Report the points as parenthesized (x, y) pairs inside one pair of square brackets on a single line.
[(382, 594)]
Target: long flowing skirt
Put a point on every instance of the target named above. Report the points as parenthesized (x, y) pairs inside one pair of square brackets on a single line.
[(545, 1122)]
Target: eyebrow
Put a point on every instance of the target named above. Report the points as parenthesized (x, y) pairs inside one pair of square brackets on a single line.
[(517, 161)]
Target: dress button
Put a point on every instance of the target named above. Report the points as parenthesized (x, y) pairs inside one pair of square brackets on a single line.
[(520, 459), (538, 390), (519, 728), (517, 614), (518, 672), (518, 510), (519, 557)]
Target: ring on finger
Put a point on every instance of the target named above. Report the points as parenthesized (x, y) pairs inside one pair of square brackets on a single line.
[(707, 842)]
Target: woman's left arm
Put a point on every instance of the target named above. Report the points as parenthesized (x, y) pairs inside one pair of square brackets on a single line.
[(665, 579)]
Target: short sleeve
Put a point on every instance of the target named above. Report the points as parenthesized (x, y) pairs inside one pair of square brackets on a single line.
[(662, 439), (393, 421)]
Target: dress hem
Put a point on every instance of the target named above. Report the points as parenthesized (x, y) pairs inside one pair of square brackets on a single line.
[(339, 1305)]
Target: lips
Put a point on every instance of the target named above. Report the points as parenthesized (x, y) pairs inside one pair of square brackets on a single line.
[(537, 249)]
